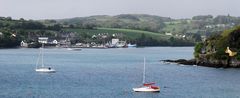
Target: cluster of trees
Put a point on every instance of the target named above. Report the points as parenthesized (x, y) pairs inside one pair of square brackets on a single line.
[(202, 17), (8, 39), (214, 51), (26, 24), (214, 47), (12, 31), (144, 40)]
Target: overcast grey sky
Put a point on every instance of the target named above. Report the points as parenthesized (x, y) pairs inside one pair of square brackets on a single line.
[(55, 9)]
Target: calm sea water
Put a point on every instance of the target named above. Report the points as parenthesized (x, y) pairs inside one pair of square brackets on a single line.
[(112, 73)]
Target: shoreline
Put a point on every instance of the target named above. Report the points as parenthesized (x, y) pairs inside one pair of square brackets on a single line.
[(194, 62)]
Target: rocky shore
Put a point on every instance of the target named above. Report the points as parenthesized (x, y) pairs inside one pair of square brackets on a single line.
[(194, 62)]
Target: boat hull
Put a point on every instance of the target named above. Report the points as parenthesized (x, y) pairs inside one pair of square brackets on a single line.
[(130, 45), (145, 89), (45, 70)]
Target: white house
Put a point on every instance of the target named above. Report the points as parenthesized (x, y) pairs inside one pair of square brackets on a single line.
[(115, 41), (79, 44), (23, 44), (43, 40), (170, 34), (113, 35), (94, 36), (55, 42), (184, 36)]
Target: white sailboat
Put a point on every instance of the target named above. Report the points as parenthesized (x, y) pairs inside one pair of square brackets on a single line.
[(146, 87), (42, 68)]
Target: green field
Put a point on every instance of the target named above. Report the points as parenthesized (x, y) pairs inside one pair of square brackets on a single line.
[(132, 34)]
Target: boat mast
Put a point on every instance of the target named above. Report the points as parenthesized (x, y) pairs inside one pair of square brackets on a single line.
[(144, 71), (38, 60), (42, 54)]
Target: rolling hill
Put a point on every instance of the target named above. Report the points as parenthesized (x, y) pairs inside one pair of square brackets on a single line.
[(127, 21)]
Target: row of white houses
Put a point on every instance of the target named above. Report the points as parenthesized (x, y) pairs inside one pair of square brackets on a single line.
[(44, 40)]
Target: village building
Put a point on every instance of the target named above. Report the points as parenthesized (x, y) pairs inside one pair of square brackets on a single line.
[(170, 34), (23, 44), (43, 40)]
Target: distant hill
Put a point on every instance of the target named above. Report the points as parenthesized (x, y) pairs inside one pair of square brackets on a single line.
[(204, 25), (127, 21)]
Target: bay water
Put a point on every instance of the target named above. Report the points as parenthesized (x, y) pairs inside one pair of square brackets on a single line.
[(112, 73)]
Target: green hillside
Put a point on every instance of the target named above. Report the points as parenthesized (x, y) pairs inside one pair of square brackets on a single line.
[(132, 34)]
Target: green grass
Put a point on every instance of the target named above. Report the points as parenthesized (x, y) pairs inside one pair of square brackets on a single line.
[(179, 28), (173, 22), (132, 34)]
